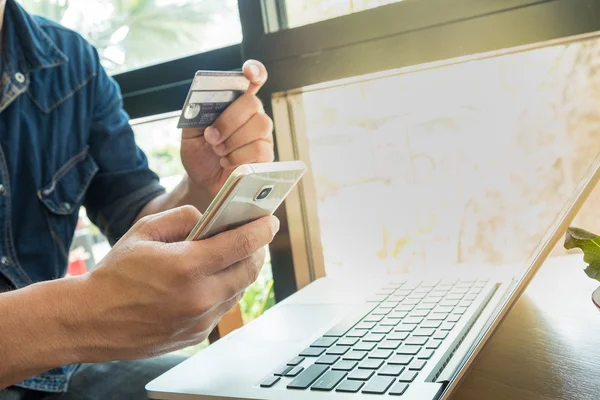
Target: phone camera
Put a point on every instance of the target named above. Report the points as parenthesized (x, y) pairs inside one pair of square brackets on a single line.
[(264, 193)]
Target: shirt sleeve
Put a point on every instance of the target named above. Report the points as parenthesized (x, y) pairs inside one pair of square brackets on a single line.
[(124, 183)]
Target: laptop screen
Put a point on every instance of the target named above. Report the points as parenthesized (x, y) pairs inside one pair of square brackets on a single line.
[(462, 166)]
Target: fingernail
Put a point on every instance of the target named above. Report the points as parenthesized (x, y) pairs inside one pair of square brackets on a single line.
[(212, 135), (276, 224), (254, 70)]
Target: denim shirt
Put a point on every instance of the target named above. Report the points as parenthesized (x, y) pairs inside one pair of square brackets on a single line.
[(65, 142)]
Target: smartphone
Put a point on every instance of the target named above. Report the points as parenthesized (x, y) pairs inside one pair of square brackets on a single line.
[(252, 191)]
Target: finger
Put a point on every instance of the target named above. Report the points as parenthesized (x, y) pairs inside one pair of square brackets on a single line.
[(170, 226), (233, 118), (209, 321), (256, 73), (259, 151), (230, 282), (209, 256), (259, 127)]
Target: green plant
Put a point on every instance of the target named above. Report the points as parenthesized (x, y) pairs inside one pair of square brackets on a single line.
[(589, 243)]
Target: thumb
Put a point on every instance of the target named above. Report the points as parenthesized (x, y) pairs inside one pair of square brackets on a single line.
[(169, 226), (256, 73)]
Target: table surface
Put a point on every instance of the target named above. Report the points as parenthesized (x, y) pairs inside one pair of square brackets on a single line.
[(548, 347)]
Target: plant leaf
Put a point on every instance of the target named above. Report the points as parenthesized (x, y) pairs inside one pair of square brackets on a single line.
[(589, 243)]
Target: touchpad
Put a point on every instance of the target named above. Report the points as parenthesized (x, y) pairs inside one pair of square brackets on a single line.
[(293, 322)]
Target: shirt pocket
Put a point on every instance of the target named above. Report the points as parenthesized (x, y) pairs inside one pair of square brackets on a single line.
[(62, 198)]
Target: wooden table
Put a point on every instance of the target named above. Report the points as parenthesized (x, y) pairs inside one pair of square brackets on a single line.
[(548, 347)]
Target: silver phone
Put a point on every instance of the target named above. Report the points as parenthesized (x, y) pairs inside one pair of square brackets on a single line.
[(252, 191)]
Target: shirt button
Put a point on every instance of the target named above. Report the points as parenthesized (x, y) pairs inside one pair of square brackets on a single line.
[(5, 261), (20, 77), (2, 190), (66, 207)]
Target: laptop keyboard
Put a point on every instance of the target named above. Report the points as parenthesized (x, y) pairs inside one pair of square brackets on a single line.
[(384, 345)]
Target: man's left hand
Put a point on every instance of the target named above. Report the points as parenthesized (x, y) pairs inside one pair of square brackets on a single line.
[(242, 134)]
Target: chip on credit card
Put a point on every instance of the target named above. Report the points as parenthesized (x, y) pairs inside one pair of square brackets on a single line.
[(210, 94)]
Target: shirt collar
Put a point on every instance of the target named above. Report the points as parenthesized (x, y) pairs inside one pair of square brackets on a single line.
[(26, 43)]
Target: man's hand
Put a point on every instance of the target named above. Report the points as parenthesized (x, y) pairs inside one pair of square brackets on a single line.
[(242, 134), (155, 293)]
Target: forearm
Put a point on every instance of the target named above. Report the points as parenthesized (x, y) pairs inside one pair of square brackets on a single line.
[(36, 329), (186, 193)]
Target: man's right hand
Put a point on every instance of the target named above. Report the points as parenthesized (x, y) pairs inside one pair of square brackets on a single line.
[(155, 292)]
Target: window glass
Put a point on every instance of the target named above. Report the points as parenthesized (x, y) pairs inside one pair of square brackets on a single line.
[(159, 138), (303, 12), (465, 163), (130, 34)]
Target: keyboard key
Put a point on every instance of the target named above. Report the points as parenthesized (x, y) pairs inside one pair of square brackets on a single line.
[(327, 360), (408, 350), (412, 320), (382, 329), (361, 374), (397, 336), (377, 298), (391, 370), (398, 389), (307, 377), (397, 297), (416, 295), (342, 327), (448, 303), (400, 359), (475, 290), (417, 365), (431, 324), (397, 314), (465, 283), (312, 352), (344, 365), (405, 307), (294, 372), (480, 284), (374, 318), (424, 332), (460, 310), (419, 313), (374, 337), (470, 296), (416, 340), (423, 289), (380, 354), (355, 355), (402, 292), (440, 335), (347, 341), (425, 306), (328, 381), (270, 381), (358, 333), (438, 293), (364, 346), (337, 350), (389, 304), (443, 309), (425, 354), (459, 290), (295, 361), (433, 344), (432, 299), (381, 311), (411, 302), (390, 321), (283, 370), (349, 386), (324, 342), (408, 376), (365, 325), (385, 291), (454, 296), (437, 317), (405, 327), (389, 344), (378, 385), (447, 326), (370, 364), (412, 285), (453, 318)]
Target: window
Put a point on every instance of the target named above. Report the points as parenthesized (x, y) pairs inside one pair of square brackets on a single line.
[(133, 34), (464, 163), (303, 12)]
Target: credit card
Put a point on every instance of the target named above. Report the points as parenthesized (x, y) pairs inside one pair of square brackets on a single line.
[(210, 94)]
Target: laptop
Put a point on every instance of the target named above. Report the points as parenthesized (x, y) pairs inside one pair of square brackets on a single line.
[(403, 336)]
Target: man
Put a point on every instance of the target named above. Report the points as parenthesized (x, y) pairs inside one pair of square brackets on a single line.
[(65, 141)]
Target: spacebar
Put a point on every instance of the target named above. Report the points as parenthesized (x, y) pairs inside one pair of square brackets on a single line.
[(342, 327)]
